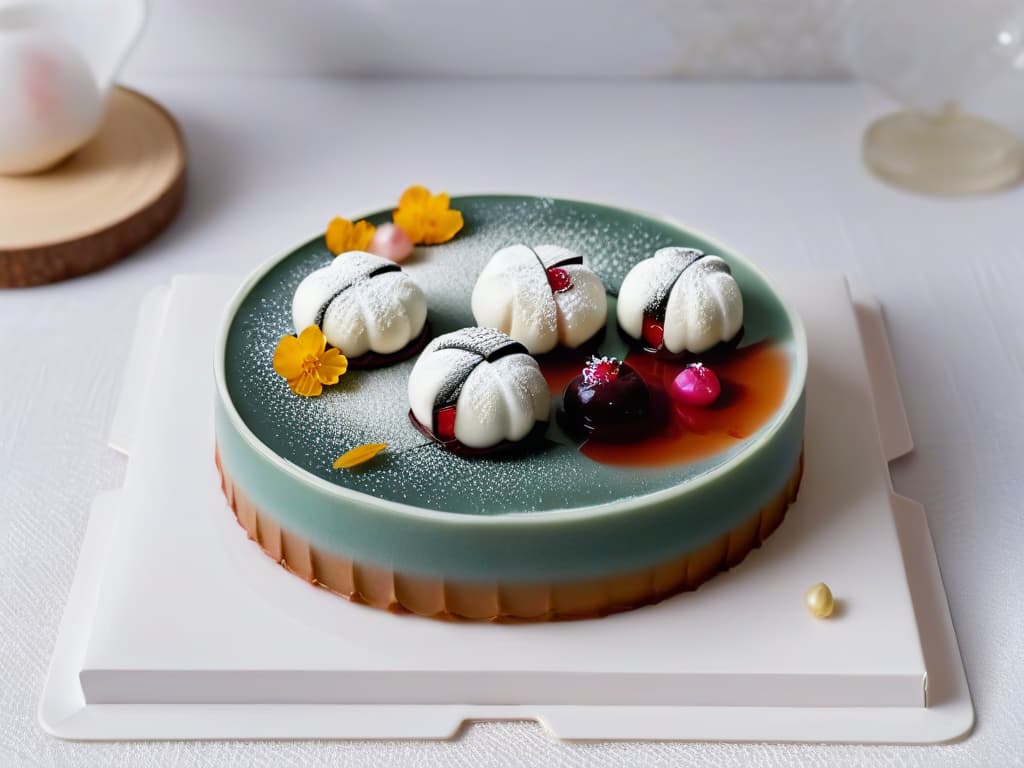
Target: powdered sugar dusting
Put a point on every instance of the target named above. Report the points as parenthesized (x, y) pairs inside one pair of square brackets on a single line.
[(362, 302), (533, 306), (372, 406)]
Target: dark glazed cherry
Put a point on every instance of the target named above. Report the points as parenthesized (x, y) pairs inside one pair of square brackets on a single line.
[(608, 401)]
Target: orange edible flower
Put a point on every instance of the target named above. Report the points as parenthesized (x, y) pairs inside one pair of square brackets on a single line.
[(307, 364), (343, 235), (427, 219), (359, 455)]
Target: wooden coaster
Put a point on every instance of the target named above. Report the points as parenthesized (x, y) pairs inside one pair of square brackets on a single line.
[(104, 202)]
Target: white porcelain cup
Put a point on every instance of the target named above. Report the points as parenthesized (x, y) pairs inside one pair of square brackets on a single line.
[(57, 65)]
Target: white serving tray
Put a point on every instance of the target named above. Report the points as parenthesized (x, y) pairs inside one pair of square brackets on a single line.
[(178, 627)]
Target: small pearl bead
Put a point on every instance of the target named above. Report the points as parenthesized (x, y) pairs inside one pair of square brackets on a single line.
[(819, 602), (391, 242)]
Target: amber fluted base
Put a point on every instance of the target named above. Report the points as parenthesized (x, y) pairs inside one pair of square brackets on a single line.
[(398, 592)]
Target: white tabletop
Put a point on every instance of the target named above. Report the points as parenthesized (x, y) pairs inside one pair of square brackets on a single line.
[(773, 170)]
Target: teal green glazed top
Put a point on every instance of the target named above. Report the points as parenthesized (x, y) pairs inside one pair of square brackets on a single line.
[(370, 406)]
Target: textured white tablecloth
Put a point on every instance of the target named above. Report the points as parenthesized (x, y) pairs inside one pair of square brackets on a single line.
[(770, 169)]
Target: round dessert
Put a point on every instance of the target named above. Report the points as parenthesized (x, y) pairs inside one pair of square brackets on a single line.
[(607, 401), (565, 529), (366, 306), (478, 389), (543, 297), (680, 300)]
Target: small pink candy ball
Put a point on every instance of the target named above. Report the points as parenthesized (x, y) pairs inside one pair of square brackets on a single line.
[(391, 242), (696, 385)]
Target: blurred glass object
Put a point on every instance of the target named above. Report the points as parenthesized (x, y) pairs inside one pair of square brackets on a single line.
[(58, 61), (957, 68)]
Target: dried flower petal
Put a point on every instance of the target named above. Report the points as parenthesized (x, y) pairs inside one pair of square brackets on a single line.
[(313, 341), (342, 235), (359, 455), (333, 366), (288, 357), (307, 385)]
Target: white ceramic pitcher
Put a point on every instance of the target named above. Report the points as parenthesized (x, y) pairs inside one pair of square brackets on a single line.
[(58, 60)]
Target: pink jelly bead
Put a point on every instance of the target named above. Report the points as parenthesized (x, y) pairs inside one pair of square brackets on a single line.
[(391, 242), (696, 385)]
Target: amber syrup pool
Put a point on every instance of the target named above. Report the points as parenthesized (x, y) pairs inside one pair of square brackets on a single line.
[(754, 381)]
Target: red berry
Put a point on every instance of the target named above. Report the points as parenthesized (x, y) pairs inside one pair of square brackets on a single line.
[(446, 423), (696, 385), (559, 280), (608, 401), (601, 370), (653, 332)]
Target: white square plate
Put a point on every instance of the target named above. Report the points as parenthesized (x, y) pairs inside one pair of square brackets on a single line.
[(178, 627)]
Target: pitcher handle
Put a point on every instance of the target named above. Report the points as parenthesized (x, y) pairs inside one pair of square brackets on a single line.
[(106, 31)]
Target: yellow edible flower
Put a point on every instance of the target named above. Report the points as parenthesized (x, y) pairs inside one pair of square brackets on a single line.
[(359, 455), (427, 219), (307, 364), (343, 235)]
